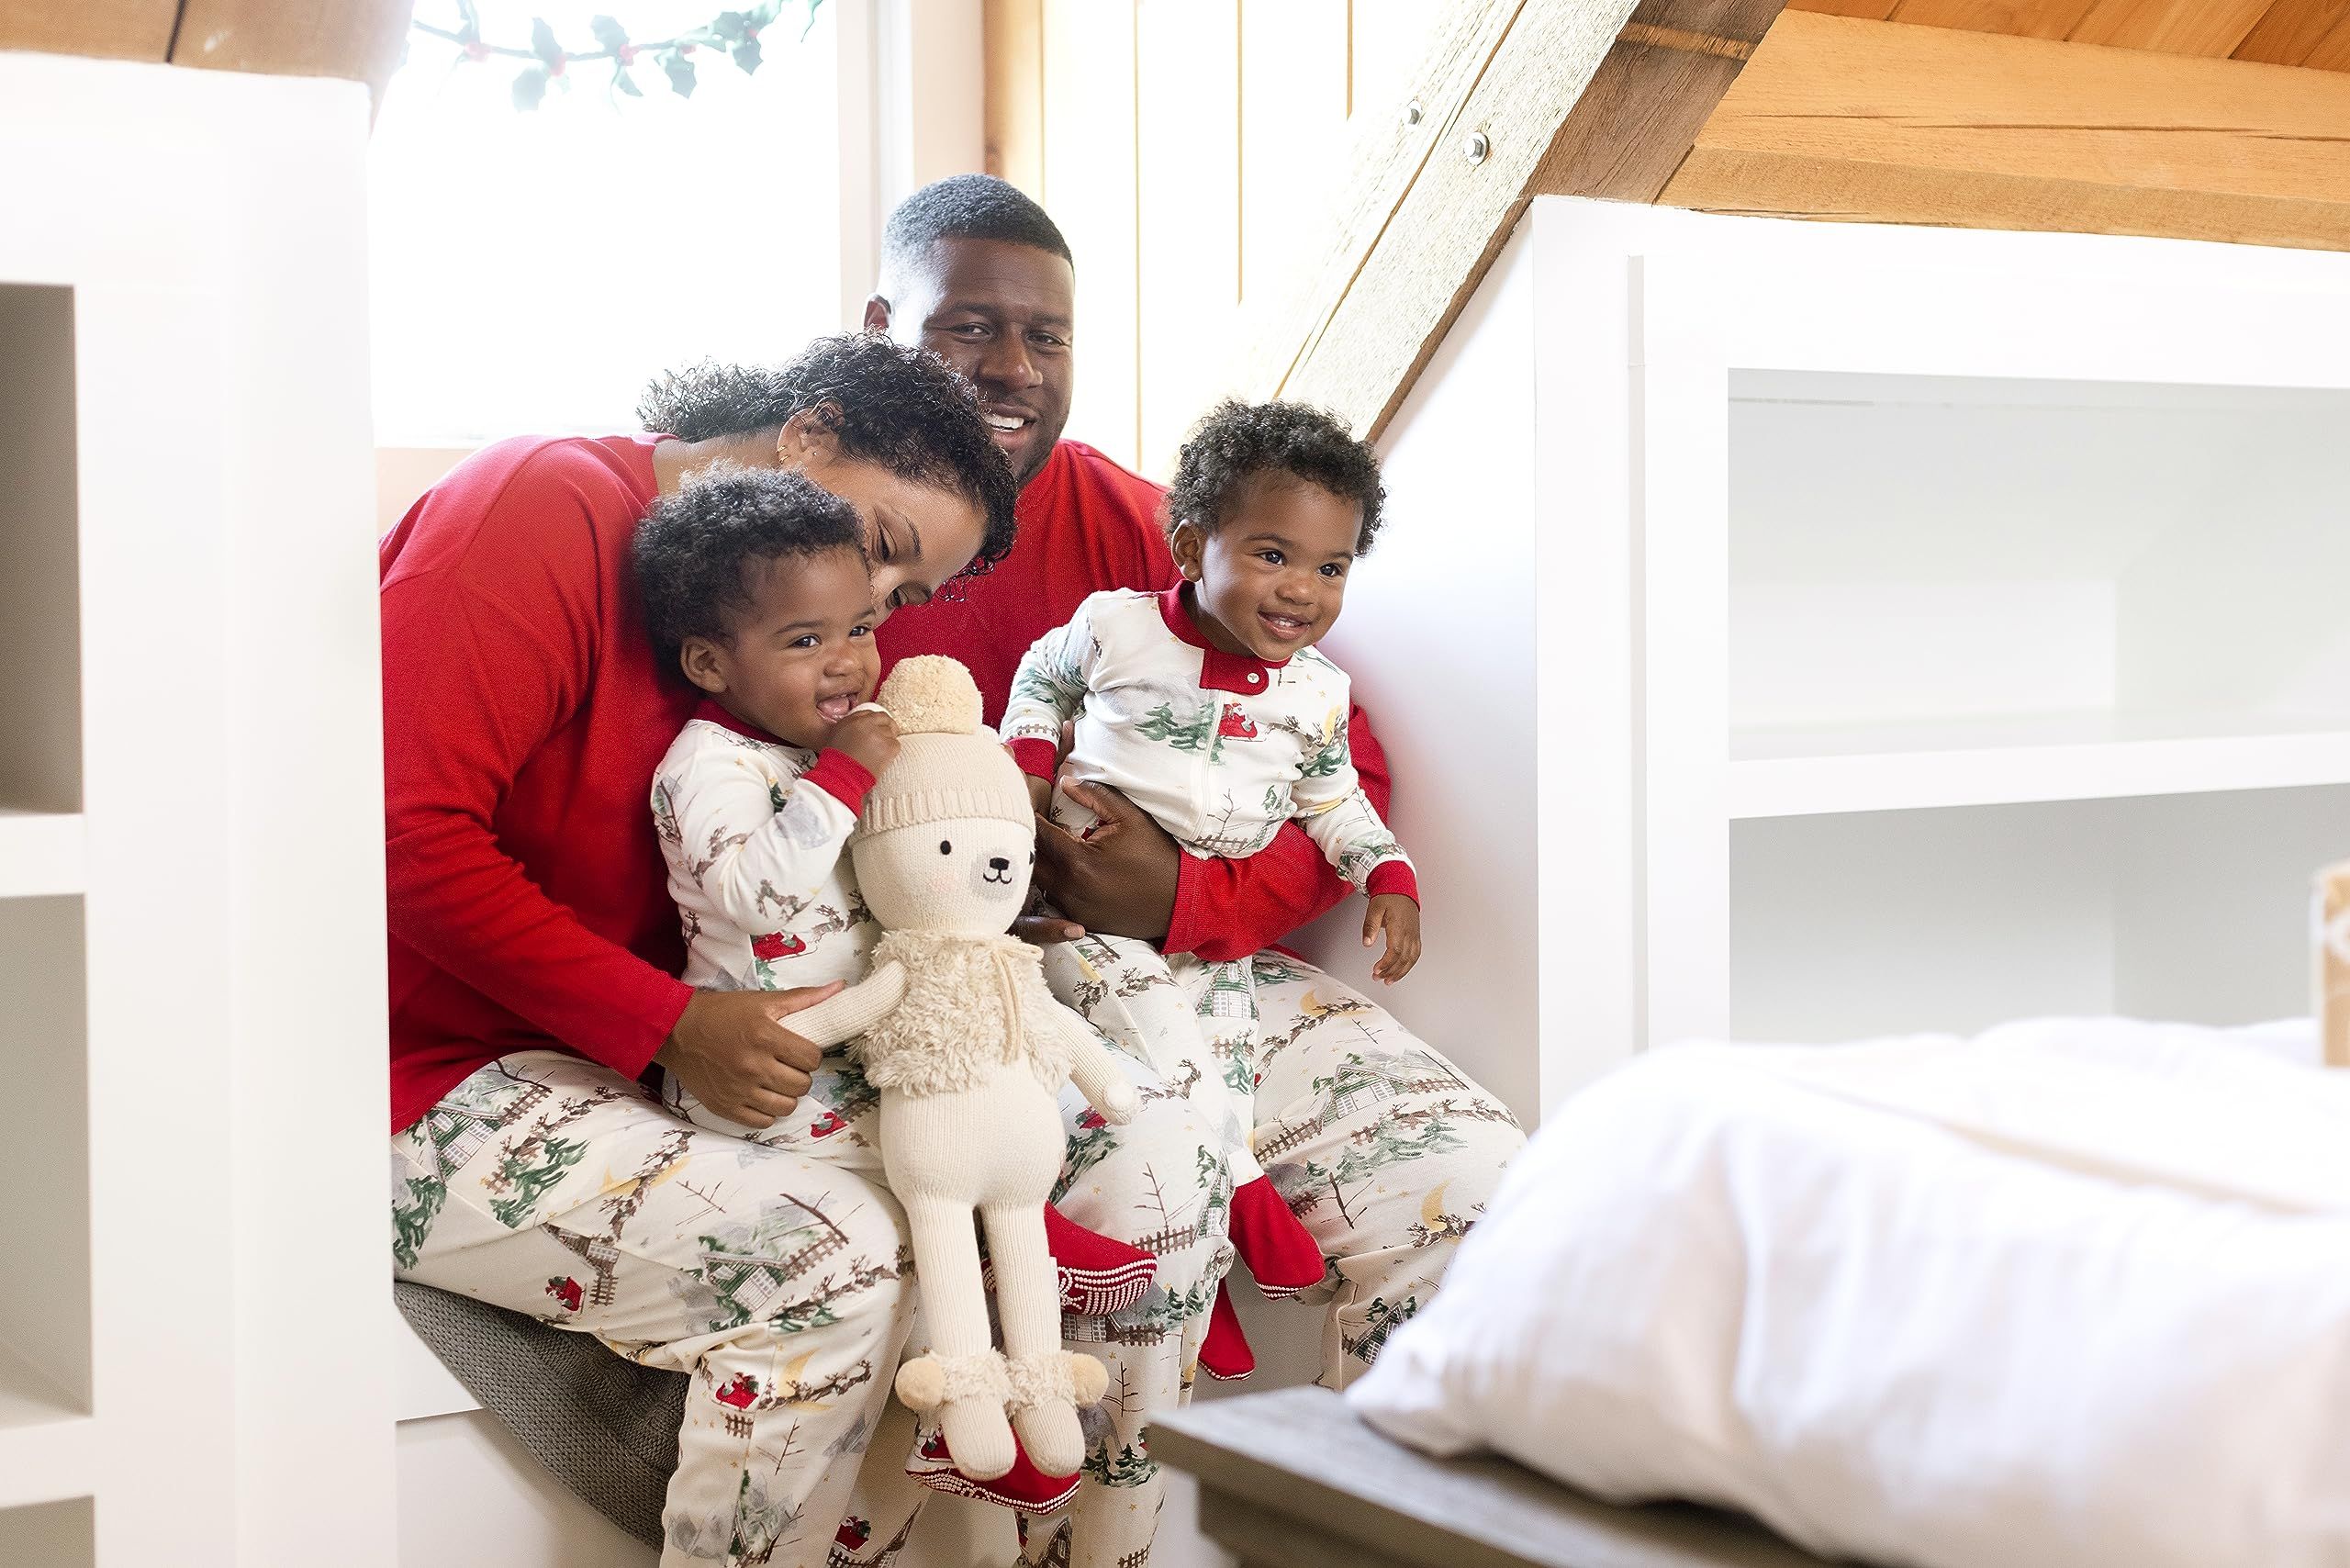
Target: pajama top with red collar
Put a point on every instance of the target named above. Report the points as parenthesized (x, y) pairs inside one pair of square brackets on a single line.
[(1220, 748), (1087, 525)]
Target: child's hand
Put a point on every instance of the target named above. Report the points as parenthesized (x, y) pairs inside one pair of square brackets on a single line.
[(869, 736), (1040, 793), (1399, 917)]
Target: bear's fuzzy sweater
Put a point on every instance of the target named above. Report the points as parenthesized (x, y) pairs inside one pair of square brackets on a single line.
[(971, 1002)]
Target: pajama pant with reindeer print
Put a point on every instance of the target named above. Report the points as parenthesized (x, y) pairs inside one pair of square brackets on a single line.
[(1382, 1148)]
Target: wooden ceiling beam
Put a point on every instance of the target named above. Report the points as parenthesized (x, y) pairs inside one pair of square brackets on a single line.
[(1516, 98), (1881, 122)]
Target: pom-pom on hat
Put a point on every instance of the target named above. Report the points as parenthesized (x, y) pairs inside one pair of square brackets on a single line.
[(950, 766)]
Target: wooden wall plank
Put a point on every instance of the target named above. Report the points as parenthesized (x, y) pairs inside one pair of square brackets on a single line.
[(2331, 53), (1882, 122), (1874, 10), (2289, 30), (1431, 214), (1386, 40), (1188, 125), (2019, 18), (361, 39), (1013, 65), (1652, 96), (2209, 28), (1294, 88), (1090, 69), (115, 29)]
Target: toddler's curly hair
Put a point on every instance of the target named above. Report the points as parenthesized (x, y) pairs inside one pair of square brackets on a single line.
[(693, 549), (1236, 440)]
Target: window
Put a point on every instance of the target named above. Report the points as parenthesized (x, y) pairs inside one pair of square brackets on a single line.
[(531, 270)]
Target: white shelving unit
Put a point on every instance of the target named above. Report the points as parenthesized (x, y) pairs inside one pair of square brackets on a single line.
[(191, 861), (1808, 631)]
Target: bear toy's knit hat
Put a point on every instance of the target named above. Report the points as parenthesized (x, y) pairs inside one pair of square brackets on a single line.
[(949, 766)]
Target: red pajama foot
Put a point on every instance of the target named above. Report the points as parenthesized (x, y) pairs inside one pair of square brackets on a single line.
[(1279, 1251), (1098, 1276), (1225, 1354), (1023, 1486)]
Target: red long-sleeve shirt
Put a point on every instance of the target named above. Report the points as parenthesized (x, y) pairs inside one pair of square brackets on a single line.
[(523, 715), (1087, 525)]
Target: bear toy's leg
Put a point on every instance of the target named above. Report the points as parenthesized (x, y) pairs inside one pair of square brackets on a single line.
[(1047, 1384), (962, 1377)]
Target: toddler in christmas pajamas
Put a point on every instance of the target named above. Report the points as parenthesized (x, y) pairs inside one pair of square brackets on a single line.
[(756, 584), (1210, 706)]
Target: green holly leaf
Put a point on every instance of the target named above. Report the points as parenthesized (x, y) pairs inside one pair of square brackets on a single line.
[(610, 35), (746, 55), (531, 87), (680, 71), (729, 24), (625, 82), (543, 44)]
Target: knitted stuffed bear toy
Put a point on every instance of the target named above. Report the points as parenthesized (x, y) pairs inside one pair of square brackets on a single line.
[(968, 1050)]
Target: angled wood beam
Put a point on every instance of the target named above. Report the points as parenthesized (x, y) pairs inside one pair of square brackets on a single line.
[(1885, 123), (1516, 98)]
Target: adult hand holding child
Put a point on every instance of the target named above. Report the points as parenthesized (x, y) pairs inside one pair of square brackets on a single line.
[(731, 1049)]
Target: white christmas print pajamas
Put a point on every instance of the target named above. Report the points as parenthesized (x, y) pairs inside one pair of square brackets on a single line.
[(1221, 750)]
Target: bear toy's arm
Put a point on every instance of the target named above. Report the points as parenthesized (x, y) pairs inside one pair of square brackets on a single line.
[(1093, 1069), (854, 1011)]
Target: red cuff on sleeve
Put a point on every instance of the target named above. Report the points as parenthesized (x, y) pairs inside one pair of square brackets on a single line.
[(842, 777), (1393, 877), (1037, 758)]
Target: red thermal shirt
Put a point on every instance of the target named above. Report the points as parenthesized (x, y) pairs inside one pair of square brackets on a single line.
[(523, 715), (1087, 525)]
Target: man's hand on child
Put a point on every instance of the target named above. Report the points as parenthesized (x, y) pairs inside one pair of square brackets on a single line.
[(731, 1050), (1399, 917), (868, 736)]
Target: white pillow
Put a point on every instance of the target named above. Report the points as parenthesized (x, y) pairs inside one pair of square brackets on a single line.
[(2076, 1293)]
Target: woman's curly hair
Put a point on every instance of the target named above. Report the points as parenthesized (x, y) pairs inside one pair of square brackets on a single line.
[(693, 551), (1238, 440), (904, 409)]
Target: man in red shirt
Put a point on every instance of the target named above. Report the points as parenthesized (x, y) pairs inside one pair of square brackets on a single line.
[(1382, 1148)]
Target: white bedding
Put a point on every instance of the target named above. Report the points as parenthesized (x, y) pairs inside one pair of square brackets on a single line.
[(2074, 1291)]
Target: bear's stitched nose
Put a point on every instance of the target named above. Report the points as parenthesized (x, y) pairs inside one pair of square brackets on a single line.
[(998, 863)]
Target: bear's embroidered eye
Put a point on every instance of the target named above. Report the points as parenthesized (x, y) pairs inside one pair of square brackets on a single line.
[(947, 847)]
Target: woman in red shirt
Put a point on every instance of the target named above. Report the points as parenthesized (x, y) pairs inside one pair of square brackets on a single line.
[(534, 947)]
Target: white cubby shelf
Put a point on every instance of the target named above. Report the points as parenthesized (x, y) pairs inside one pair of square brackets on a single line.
[(1875, 629), (192, 1012), (2018, 759)]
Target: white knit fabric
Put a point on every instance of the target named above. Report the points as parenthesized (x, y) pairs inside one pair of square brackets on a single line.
[(1220, 771), (765, 895)]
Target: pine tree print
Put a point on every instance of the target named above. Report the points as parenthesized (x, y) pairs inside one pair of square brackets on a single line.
[(1051, 684), (412, 1221), (1131, 1466), (1089, 1147), (1195, 731), (528, 1174)]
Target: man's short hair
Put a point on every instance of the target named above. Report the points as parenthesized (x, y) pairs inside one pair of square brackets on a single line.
[(965, 207)]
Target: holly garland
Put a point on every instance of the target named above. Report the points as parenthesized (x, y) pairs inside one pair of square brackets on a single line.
[(734, 34)]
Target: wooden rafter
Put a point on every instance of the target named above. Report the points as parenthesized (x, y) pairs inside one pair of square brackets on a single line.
[(1516, 98), (1882, 122)]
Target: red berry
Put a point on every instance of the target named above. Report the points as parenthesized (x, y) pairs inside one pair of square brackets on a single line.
[(477, 50), (554, 66), (628, 54)]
